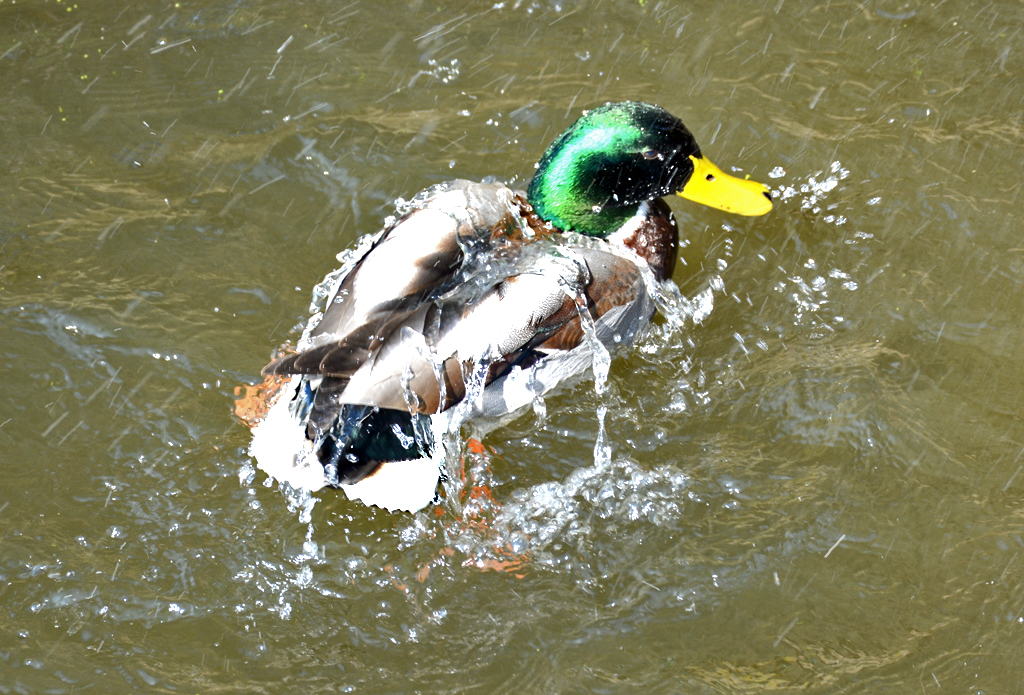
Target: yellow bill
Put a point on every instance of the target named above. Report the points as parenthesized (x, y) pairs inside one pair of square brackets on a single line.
[(711, 186)]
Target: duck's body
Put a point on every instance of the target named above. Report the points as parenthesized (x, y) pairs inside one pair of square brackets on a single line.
[(475, 302)]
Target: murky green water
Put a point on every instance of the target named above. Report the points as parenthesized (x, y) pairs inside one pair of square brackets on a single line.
[(819, 488)]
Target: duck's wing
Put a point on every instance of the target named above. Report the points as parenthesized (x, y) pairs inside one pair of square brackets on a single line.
[(422, 256), (448, 349)]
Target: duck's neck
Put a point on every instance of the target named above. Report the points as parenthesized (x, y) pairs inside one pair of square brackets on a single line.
[(653, 235)]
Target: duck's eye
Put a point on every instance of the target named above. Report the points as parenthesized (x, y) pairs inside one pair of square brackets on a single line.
[(651, 154), (710, 177)]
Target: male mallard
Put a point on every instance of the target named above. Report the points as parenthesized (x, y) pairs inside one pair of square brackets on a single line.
[(475, 302)]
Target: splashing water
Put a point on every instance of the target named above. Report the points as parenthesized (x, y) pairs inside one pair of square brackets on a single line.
[(814, 191), (671, 304), (602, 450), (810, 293), (540, 410), (448, 428), (445, 72), (543, 517), (601, 360)]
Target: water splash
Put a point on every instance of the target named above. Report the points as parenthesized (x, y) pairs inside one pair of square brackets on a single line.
[(813, 192), (537, 517), (810, 292), (404, 207), (811, 297), (602, 450), (676, 309), (540, 410), (300, 501), (601, 360), (704, 304), (444, 72), (448, 428)]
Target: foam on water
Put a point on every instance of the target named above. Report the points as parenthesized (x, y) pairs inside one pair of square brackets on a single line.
[(537, 517)]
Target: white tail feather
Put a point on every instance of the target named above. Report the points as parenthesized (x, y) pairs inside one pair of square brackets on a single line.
[(406, 486)]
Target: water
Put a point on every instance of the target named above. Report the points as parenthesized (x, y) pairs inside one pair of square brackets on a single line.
[(811, 484)]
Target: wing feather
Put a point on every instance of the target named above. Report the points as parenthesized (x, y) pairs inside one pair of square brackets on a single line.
[(419, 258)]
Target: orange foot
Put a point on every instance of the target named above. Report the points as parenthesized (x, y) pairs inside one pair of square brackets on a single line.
[(479, 510), (517, 564), (257, 399)]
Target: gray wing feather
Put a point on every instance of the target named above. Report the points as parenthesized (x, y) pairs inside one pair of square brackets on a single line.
[(420, 257)]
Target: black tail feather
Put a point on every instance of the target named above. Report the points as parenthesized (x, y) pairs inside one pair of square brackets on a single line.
[(352, 441)]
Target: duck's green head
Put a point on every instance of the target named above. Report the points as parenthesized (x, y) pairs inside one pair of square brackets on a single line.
[(596, 174)]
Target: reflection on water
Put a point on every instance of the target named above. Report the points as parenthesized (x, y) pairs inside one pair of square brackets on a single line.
[(813, 483)]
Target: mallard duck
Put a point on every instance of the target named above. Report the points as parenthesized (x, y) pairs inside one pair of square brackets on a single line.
[(477, 300)]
